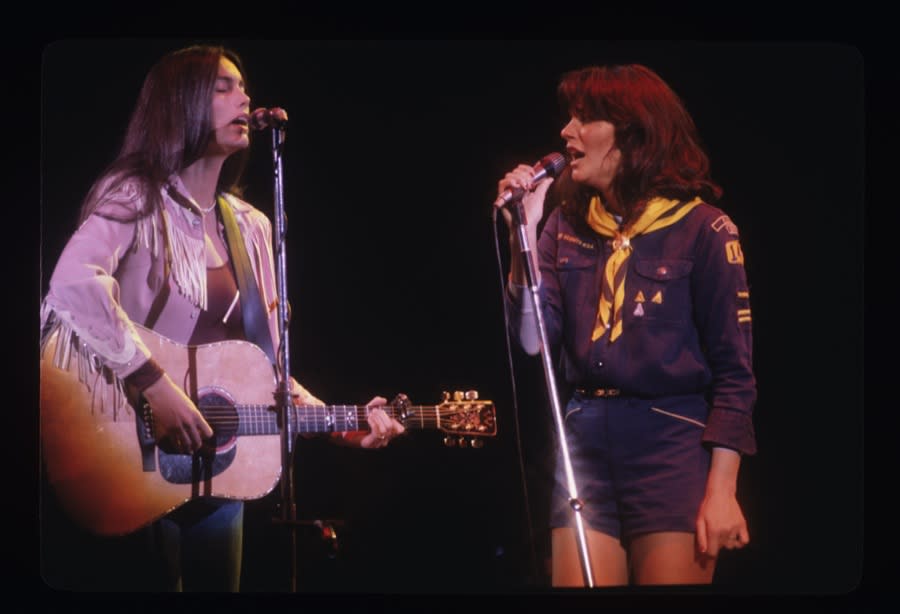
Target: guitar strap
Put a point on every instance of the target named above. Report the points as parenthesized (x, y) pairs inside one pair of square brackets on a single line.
[(256, 326)]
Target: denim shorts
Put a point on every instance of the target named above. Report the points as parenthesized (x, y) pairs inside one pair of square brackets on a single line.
[(638, 464)]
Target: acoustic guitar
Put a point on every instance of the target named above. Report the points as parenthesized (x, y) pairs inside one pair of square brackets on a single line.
[(112, 477)]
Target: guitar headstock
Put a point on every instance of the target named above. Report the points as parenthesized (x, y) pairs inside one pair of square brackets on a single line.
[(462, 416), (466, 418)]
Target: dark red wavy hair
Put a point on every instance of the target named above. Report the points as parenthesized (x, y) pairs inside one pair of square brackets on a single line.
[(661, 151)]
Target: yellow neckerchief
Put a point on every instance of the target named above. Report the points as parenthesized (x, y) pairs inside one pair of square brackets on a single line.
[(660, 212)]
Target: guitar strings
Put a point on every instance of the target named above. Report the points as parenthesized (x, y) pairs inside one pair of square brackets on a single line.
[(225, 416)]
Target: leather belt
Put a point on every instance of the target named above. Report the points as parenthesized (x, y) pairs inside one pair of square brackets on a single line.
[(598, 392)]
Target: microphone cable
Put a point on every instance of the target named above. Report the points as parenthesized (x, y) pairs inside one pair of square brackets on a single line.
[(515, 401)]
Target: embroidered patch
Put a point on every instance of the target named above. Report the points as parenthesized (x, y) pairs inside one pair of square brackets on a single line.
[(562, 236), (723, 222), (640, 297), (639, 310), (657, 298), (733, 252)]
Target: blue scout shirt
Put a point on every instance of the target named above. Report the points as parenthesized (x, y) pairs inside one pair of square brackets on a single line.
[(687, 321)]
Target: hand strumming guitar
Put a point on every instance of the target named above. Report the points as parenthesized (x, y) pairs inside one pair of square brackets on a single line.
[(177, 423)]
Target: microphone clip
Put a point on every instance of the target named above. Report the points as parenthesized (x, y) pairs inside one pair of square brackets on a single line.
[(262, 118)]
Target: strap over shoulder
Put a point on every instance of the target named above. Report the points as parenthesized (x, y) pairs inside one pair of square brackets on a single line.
[(252, 307)]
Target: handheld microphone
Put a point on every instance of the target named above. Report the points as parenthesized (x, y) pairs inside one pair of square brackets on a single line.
[(263, 118), (550, 165)]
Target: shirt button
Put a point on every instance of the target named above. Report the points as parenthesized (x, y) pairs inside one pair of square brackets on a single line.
[(599, 363)]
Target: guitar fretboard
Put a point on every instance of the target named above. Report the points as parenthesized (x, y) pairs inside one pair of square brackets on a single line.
[(263, 419)]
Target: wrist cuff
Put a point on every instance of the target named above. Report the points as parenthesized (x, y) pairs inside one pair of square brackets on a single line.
[(144, 376)]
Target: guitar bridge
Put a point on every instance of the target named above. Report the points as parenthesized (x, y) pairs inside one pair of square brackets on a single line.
[(144, 424), (147, 421)]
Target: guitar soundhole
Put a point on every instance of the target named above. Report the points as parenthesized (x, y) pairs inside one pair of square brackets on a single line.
[(221, 415), (217, 455)]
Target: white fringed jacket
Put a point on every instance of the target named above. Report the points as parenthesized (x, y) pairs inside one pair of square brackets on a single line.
[(113, 268)]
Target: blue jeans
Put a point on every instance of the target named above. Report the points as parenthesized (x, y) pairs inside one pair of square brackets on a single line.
[(199, 546)]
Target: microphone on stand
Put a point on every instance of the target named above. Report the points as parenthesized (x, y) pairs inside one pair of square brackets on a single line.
[(550, 165), (262, 118)]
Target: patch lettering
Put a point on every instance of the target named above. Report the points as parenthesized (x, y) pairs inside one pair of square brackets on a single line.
[(562, 236)]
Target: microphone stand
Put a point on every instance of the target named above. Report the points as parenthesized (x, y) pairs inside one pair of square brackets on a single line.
[(288, 505), (518, 214)]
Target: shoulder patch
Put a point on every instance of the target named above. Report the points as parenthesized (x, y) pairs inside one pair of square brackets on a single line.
[(723, 222), (733, 252)]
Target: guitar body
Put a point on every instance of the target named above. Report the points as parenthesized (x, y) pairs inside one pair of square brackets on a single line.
[(100, 457)]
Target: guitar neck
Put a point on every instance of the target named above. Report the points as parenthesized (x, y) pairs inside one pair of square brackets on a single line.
[(263, 420), (332, 418)]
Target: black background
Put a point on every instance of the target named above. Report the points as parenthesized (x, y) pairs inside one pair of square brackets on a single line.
[(392, 158)]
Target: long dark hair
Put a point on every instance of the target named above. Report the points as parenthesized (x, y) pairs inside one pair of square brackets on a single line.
[(661, 151), (170, 128)]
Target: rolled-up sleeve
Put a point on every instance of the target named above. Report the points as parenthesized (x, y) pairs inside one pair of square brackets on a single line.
[(723, 316)]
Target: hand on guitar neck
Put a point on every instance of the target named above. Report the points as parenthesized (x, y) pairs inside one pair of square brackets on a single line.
[(382, 428)]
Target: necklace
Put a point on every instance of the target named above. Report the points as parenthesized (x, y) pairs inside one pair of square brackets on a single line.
[(207, 210)]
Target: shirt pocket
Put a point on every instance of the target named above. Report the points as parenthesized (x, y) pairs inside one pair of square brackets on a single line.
[(570, 257), (576, 267), (660, 291)]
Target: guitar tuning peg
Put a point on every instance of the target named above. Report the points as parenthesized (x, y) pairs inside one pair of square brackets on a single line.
[(450, 442), (471, 395), (477, 443), (463, 442), (458, 395), (445, 395)]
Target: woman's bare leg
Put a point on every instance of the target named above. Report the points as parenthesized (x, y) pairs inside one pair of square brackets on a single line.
[(669, 558), (608, 559)]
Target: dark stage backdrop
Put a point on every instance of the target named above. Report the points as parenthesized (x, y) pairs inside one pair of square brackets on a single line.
[(391, 161)]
